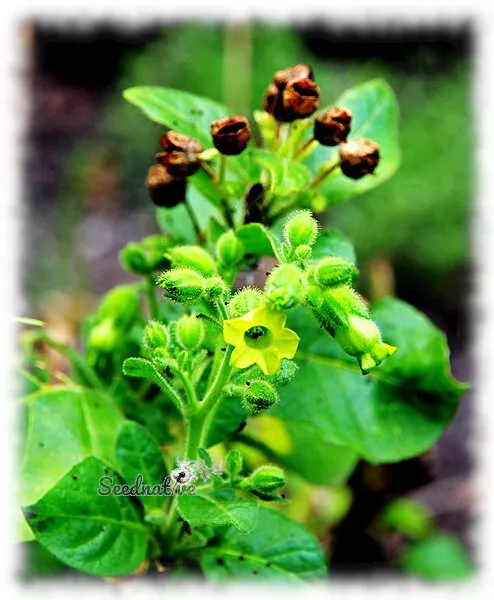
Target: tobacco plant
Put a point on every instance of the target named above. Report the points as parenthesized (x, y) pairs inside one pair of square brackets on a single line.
[(149, 454)]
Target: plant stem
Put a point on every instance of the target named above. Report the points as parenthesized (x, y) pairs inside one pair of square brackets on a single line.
[(222, 169), (150, 290), (197, 230), (320, 178)]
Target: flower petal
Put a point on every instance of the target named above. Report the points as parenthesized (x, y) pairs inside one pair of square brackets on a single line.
[(285, 343), (267, 317), (233, 331), (243, 357), (268, 362)]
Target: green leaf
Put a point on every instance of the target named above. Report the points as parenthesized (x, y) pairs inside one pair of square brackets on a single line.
[(257, 240), (333, 243), (439, 557), (397, 411), (145, 369), (218, 508), (24, 532), (229, 416), (375, 117), (64, 426), (276, 549), (100, 535), (284, 176), (408, 517), (138, 454)]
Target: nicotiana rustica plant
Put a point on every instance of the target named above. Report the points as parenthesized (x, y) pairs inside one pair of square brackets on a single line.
[(241, 359)]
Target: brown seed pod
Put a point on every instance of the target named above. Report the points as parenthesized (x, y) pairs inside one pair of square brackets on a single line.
[(300, 99), (180, 154), (230, 135), (358, 158), (282, 78), (164, 189), (333, 126)]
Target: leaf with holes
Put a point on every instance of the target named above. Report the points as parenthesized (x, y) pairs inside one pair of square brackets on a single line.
[(277, 549), (98, 534)]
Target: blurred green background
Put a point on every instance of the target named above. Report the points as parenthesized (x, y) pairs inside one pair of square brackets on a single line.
[(88, 151)]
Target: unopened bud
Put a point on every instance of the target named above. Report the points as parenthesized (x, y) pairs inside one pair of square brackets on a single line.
[(244, 301), (358, 158), (121, 305), (164, 190), (192, 257), (103, 336), (182, 285), (229, 249), (234, 462), (180, 154), (133, 258), (190, 332), (303, 252), (301, 229), (334, 271), (231, 135), (267, 479), (258, 396), (156, 335), (284, 287), (333, 126), (216, 289)]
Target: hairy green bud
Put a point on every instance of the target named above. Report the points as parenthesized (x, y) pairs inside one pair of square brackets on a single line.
[(192, 257), (362, 339), (190, 332), (156, 335), (303, 252), (301, 229), (182, 285), (145, 257), (284, 288), (121, 305), (258, 396), (234, 462), (267, 478), (334, 271), (229, 249), (244, 301), (103, 336), (133, 259), (216, 289)]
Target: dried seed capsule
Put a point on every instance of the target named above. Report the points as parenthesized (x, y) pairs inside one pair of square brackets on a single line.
[(231, 135), (272, 97), (300, 100), (282, 78), (164, 190), (333, 126), (358, 158), (180, 154)]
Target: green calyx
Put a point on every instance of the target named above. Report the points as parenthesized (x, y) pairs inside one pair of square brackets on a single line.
[(266, 479), (285, 287), (184, 286), (229, 249), (156, 336), (192, 257), (300, 229), (216, 289), (258, 396), (334, 271), (190, 332), (244, 301)]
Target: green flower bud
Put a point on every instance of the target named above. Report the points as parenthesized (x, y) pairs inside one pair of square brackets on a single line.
[(303, 252), (334, 271), (287, 371), (216, 289), (229, 249), (362, 339), (284, 288), (155, 247), (133, 259), (190, 332), (267, 478), (121, 305), (258, 396), (301, 229), (182, 285), (156, 335), (192, 257), (103, 336), (234, 462), (244, 301)]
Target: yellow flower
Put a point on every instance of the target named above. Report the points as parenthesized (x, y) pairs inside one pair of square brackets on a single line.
[(260, 337)]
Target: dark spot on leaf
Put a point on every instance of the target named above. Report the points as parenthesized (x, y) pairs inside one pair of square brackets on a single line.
[(223, 349), (268, 564), (41, 445), (106, 471), (283, 495), (255, 572), (220, 561), (247, 383), (180, 520), (241, 557), (30, 515), (84, 512), (75, 476)]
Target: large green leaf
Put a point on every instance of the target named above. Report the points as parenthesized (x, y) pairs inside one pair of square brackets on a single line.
[(229, 416), (100, 535), (64, 426), (276, 549), (375, 117), (218, 508), (257, 240), (333, 243), (138, 453), (439, 557), (397, 411)]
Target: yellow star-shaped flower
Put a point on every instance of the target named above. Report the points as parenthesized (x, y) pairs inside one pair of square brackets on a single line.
[(260, 337)]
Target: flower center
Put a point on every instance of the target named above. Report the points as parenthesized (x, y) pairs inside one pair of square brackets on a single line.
[(258, 337)]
